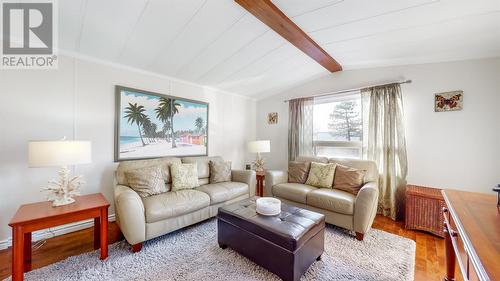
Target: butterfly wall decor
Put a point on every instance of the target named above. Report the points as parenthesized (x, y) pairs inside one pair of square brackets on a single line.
[(448, 101), (272, 118)]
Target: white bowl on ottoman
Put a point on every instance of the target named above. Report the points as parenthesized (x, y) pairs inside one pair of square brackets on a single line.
[(268, 206)]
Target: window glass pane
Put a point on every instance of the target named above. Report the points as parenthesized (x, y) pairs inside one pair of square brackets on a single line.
[(340, 152), (338, 120)]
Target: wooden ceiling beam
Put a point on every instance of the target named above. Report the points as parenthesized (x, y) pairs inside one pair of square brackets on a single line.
[(273, 17)]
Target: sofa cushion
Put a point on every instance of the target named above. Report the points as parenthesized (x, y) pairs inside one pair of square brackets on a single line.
[(184, 176), (321, 175), (173, 204), (220, 171), (223, 191), (298, 171), (164, 162), (369, 166), (146, 181), (332, 200), (348, 179), (296, 192), (202, 164)]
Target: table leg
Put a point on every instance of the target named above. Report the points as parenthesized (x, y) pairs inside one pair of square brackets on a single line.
[(97, 233), (17, 254), (104, 233), (261, 187), (450, 256), (257, 187), (27, 251)]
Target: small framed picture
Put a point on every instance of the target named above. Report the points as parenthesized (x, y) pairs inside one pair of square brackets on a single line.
[(448, 101), (272, 118)]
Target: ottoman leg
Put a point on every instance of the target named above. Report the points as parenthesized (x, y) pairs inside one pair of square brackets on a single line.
[(318, 258), (222, 246)]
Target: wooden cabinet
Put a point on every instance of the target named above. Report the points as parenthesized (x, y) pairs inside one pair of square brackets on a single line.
[(424, 206), (472, 233)]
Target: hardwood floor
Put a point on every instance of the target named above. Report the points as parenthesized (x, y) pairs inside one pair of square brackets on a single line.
[(429, 256), (429, 263)]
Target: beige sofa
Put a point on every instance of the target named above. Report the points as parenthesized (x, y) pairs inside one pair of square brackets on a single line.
[(141, 219), (340, 208)]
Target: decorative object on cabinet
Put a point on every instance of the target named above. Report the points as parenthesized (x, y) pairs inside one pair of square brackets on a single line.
[(497, 190)]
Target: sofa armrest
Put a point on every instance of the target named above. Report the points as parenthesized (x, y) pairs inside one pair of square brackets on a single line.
[(245, 176), (130, 214), (365, 207), (273, 178)]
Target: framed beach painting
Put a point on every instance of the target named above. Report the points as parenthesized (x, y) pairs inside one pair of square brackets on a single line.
[(152, 125)]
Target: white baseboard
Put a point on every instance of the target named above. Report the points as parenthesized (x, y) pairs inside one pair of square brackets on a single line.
[(55, 231)]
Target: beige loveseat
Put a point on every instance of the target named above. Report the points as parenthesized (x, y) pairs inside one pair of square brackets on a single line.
[(340, 208), (141, 219)]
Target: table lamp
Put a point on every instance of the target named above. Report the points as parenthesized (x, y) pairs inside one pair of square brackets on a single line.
[(61, 153), (259, 147)]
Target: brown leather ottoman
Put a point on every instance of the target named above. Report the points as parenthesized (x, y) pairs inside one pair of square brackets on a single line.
[(286, 244)]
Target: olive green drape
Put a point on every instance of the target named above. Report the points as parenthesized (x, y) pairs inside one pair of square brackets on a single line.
[(384, 142), (300, 127)]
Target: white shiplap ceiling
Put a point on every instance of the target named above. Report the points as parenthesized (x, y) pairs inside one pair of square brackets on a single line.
[(218, 44)]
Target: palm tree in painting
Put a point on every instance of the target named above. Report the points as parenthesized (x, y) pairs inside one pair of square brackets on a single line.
[(147, 129), (154, 128), (165, 112), (199, 123), (135, 114), (165, 130)]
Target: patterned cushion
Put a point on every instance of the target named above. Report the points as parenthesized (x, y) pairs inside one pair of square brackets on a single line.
[(146, 181), (184, 176), (298, 171), (348, 179), (220, 171), (164, 162), (321, 175)]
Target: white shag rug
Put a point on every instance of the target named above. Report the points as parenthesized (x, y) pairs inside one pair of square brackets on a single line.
[(193, 254)]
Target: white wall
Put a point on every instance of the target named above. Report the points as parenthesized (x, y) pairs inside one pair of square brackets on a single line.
[(458, 150), (77, 101)]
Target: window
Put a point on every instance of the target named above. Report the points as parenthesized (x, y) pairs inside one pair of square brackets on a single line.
[(337, 126)]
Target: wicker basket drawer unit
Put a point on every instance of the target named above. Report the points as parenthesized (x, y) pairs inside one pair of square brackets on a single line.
[(424, 207)]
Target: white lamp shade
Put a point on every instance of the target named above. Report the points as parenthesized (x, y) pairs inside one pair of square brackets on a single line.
[(58, 153), (259, 146)]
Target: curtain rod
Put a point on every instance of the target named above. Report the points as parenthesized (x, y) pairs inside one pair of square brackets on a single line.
[(350, 90)]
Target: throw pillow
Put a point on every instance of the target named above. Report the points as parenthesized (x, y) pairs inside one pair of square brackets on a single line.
[(298, 171), (184, 176), (220, 171), (321, 175), (146, 181), (348, 179)]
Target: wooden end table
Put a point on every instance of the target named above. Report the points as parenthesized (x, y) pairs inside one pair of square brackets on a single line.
[(260, 175), (37, 216)]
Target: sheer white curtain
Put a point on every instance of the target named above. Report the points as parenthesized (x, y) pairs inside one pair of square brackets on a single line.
[(384, 142), (300, 127)]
